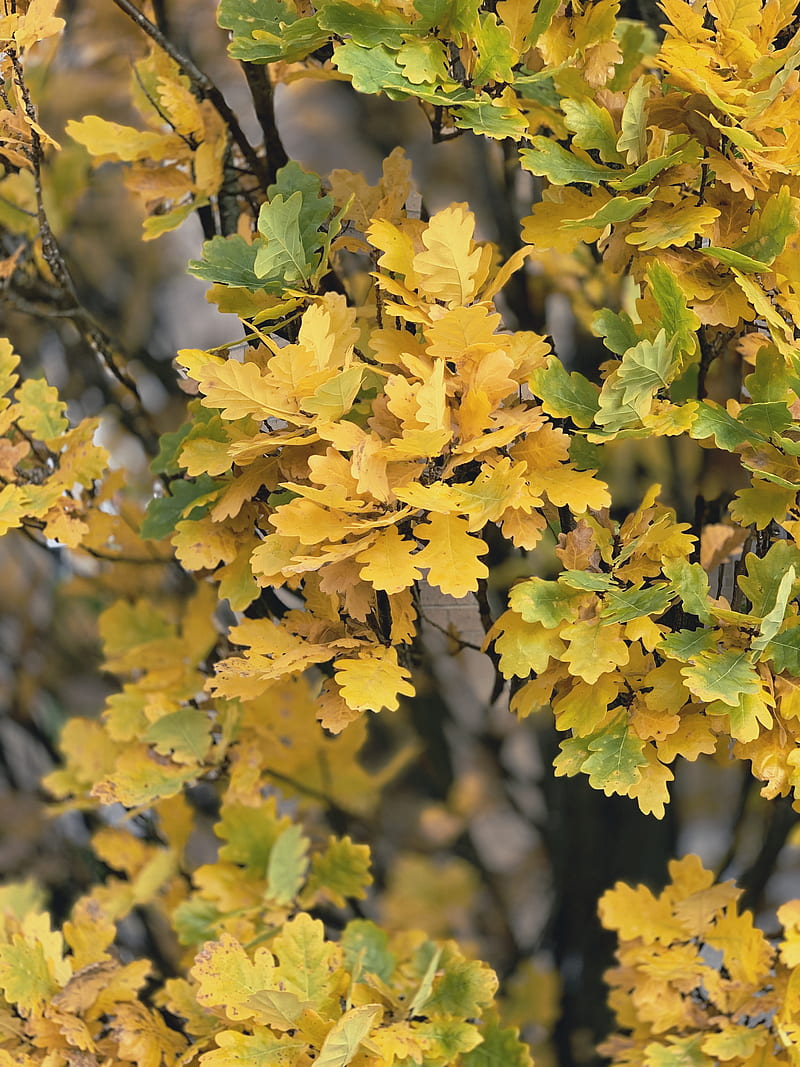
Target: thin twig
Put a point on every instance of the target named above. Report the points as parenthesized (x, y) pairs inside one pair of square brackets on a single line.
[(94, 335), (202, 82)]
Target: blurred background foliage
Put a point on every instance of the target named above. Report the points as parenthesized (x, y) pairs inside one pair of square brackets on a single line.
[(472, 835)]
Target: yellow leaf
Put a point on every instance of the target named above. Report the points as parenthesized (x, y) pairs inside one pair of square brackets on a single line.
[(261, 1047), (637, 913), (389, 564), (31, 964), (746, 952), (308, 964), (38, 23), (13, 506), (240, 389), (334, 397), (452, 554), (397, 247), (110, 140), (449, 269), (651, 790), (201, 544), (373, 681), (88, 932), (181, 106), (585, 706), (665, 225), (63, 523), (594, 649), (524, 647), (9, 361), (694, 737), (333, 711), (343, 1039), (227, 976), (143, 1037)]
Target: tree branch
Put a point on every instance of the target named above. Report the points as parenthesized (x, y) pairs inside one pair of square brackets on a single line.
[(263, 95)]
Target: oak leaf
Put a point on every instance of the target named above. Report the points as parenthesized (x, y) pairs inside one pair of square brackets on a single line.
[(452, 555), (373, 680)]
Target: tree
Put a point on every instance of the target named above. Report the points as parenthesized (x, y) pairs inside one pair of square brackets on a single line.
[(293, 832)]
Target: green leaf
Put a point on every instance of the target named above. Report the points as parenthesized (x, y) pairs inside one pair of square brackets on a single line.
[(769, 228), (170, 444), (773, 620), (619, 209), (373, 70), (679, 321), (767, 419), (784, 649), (764, 575), (365, 24), (583, 455), (366, 950), (690, 582), (617, 330), (501, 1047), (770, 382), (548, 159), (617, 757), (714, 421), (227, 260), (644, 174), (184, 734), (565, 395), (42, 414), (592, 128), (684, 644), (428, 955), (646, 368), (549, 603), (629, 604), (342, 871), (545, 10), (277, 1007), (680, 1052), (25, 975), (491, 118), (187, 500), (633, 138), (586, 580), (538, 87), (721, 676), (250, 834), (573, 753), (496, 56), (334, 398), (636, 41), (451, 18), (195, 921), (284, 255), (461, 987), (287, 865), (730, 258), (424, 61), (615, 411), (268, 30)]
